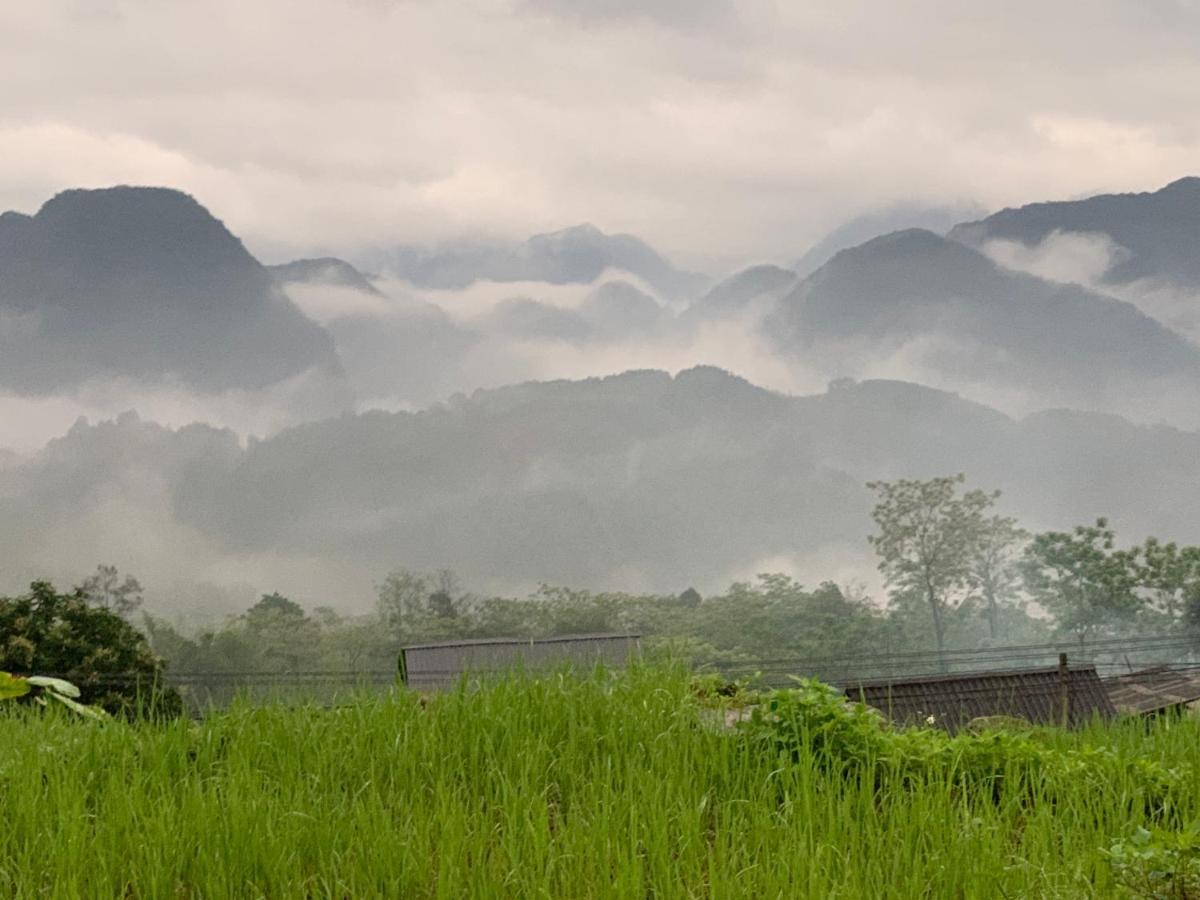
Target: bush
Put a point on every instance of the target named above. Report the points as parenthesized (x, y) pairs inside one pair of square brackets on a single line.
[(817, 722), (47, 633)]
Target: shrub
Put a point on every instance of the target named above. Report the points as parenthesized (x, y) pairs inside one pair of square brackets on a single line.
[(49, 633), (817, 722)]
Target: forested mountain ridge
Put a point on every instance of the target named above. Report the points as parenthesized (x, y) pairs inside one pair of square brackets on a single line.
[(142, 283), (1156, 233), (635, 480), (956, 316)]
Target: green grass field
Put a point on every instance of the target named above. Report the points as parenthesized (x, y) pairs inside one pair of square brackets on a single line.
[(601, 786)]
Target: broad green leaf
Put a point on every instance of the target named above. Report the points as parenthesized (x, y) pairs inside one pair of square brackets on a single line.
[(92, 712), (57, 685), (12, 687)]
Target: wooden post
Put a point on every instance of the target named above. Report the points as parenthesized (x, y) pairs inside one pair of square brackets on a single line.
[(1064, 690)]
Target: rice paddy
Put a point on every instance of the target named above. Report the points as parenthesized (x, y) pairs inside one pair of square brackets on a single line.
[(599, 785)]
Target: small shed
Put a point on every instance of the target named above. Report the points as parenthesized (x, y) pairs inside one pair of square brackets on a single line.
[(1154, 690), (1043, 696), (432, 666)]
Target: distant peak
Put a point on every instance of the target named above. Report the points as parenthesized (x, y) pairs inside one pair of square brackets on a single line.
[(1188, 184), (710, 374), (908, 239), (910, 243), (327, 270), (161, 197), (584, 230)]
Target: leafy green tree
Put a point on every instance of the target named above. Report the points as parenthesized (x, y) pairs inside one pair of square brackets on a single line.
[(995, 571), (403, 602), (414, 605), (64, 635), (273, 611), (281, 632), (1169, 580), (445, 601), (928, 538), (569, 611), (1082, 579)]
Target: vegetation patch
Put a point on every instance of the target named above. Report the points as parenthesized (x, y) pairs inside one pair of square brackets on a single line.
[(584, 786)]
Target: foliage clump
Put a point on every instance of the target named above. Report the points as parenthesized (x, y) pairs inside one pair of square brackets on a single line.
[(93, 648), (816, 722)]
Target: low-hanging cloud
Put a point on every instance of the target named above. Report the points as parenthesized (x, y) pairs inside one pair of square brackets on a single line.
[(1073, 257), (27, 423), (1084, 259)]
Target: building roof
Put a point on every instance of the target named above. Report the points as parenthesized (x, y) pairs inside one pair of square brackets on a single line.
[(557, 639), (1153, 690), (952, 701)]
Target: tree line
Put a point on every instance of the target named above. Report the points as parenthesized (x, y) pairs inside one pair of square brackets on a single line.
[(957, 575), (945, 548)]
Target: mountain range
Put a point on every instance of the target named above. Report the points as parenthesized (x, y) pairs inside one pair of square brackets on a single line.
[(1052, 390), (640, 480), (972, 323)]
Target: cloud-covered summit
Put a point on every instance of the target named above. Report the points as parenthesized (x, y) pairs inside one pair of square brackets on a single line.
[(968, 323), (576, 255), (325, 271), (1155, 234), (142, 284)]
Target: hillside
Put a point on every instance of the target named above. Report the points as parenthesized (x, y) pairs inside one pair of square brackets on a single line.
[(1157, 234), (145, 284), (961, 320), (635, 480)]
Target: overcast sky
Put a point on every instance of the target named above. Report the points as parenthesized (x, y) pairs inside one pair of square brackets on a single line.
[(717, 130)]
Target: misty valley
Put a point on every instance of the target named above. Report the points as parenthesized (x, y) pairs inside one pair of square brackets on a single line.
[(928, 451), (503, 410)]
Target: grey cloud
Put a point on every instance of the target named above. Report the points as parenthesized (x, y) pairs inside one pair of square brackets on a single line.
[(674, 13), (322, 127)]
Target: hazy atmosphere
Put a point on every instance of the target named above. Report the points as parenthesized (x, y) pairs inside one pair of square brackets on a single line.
[(289, 260), (599, 448)]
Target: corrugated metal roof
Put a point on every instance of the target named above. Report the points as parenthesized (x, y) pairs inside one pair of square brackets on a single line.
[(952, 701), (440, 665), (556, 639), (1153, 690)]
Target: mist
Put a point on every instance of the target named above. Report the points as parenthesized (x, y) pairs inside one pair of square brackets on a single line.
[(545, 464), (293, 321)]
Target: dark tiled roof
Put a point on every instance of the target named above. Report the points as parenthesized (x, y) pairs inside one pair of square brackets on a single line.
[(954, 700), (1153, 690)]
